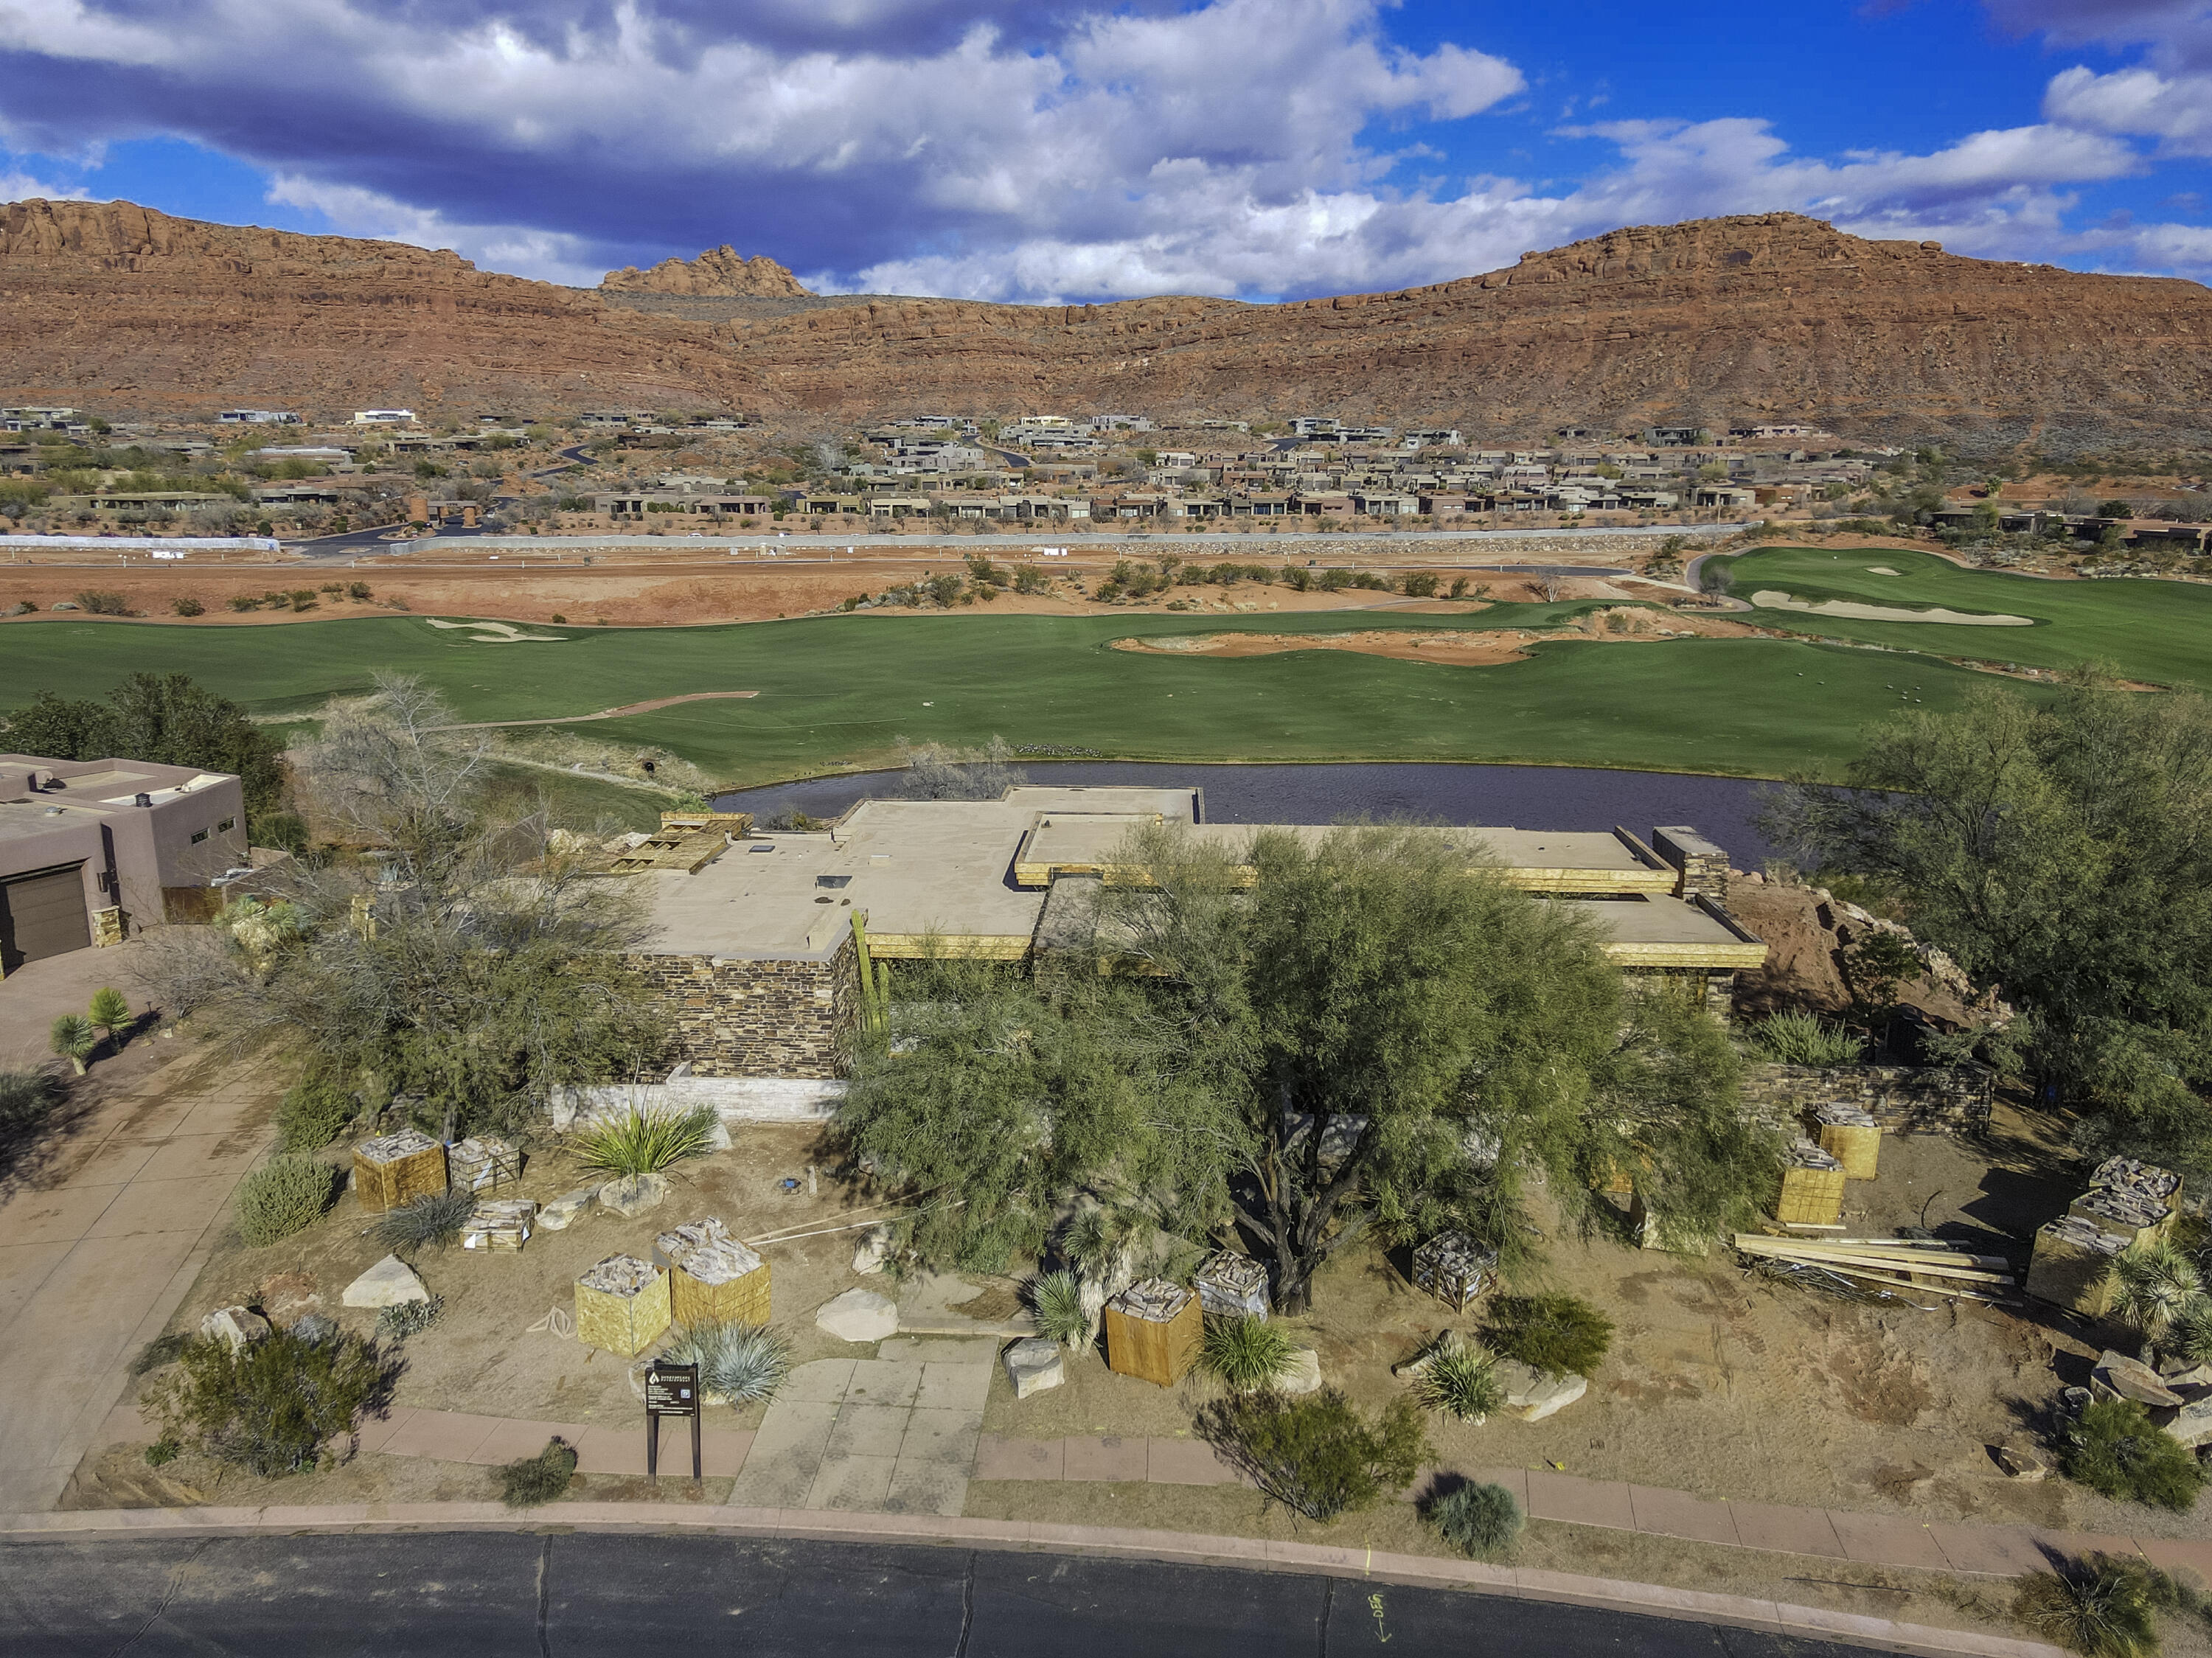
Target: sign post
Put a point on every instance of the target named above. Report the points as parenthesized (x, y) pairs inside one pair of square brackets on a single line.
[(670, 1390)]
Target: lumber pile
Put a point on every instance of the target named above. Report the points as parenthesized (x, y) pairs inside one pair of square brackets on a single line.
[(1921, 1265)]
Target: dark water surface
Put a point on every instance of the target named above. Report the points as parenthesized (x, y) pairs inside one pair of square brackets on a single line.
[(1499, 797)]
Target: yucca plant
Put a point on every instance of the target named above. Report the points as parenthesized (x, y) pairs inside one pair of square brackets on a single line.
[(645, 1142), (2154, 1282), (1056, 1303), (1797, 1037), (1480, 1520), (2188, 1335), (1460, 1379), (2101, 1607), (436, 1219), (1245, 1353), (738, 1364), (109, 1012), (71, 1037)]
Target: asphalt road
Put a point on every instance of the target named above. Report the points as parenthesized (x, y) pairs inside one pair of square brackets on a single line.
[(516, 1595)]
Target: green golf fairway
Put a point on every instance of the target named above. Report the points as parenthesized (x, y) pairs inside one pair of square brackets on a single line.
[(2155, 631), (836, 691)]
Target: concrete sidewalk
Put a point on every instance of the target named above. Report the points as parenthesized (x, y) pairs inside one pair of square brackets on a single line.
[(98, 1246)]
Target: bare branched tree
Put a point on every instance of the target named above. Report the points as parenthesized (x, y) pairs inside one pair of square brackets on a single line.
[(936, 772)]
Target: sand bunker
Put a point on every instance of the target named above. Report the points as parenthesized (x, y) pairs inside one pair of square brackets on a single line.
[(1769, 599), (627, 708), (498, 633), (1475, 647), (1880, 570)]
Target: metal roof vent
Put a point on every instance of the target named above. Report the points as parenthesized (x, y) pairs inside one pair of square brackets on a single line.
[(141, 800)]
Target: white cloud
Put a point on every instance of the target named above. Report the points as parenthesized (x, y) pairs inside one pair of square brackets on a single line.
[(548, 256), (17, 185)]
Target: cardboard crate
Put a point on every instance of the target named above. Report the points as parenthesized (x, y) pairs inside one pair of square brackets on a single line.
[(622, 1306), (1454, 1269), (474, 1163), (1812, 1188), (397, 1169), (1232, 1285), (1853, 1138), (2072, 1266), (1152, 1331)]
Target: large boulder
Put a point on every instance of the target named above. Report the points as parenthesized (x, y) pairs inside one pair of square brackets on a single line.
[(238, 1328), (1533, 1394), (634, 1194), (2192, 1423), (391, 1283), (2022, 1458), (1303, 1373), (1034, 1365), (2119, 1376), (873, 1252), (859, 1315), (567, 1209)]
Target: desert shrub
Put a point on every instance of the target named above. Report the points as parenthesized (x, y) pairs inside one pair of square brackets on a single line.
[(244, 602), (187, 606), (2115, 1449), (103, 601), (645, 1142), (533, 1479), (407, 1318), (1559, 1334), (285, 1195), (1460, 1379), (164, 1449), (738, 1364), (2100, 1607), (314, 1112), (1797, 1037), (26, 1097), (1244, 1353), (1317, 1455), (1483, 1521), (436, 1219), (1056, 1303), (269, 1407)]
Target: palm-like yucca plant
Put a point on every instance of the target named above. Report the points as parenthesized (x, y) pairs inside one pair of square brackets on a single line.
[(645, 1142), (2188, 1336), (1056, 1303), (1245, 1353), (71, 1037), (1461, 1378), (109, 1012), (2154, 1282)]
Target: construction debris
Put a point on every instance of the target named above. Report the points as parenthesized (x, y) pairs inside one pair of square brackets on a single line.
[(2072, 1266), (1454, 1269), (1922, 1265), (499, 1223), (1233, 1285)]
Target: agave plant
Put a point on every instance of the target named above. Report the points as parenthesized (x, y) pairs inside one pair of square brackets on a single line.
[(738, 1364), (1056, 1302), (645, 1142), (1461, 1378), (1246, 1354)]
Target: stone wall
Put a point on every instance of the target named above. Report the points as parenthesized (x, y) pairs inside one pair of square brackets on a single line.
[(1903, 1099), (758, 1018)]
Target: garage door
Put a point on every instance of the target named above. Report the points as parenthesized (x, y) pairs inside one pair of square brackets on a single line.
[(42, 915)]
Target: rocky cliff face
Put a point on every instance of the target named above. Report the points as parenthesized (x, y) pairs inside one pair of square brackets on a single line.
[(1773, 315), (719, 270)]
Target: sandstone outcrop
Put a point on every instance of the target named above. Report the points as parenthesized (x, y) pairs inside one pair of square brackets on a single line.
[(719, 270), (1771, 316)]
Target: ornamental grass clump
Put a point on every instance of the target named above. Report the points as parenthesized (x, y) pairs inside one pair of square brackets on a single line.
[(271, 1407), (435, 1220), (1563, 1334), (738, 1364), (1244, 1353), (529, 1480), (2115, 1449), (1460, 1379), (1056, 1304), (645, 1142), (1797, 1037), (1480, 1520), (1317, 1455), (2100, 1607), (285, 1195)]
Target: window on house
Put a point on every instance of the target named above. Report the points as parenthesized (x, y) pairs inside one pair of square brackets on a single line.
[(226, 826), (199, 837)]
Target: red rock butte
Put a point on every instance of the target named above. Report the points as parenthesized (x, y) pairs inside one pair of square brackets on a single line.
[(1772, 316)]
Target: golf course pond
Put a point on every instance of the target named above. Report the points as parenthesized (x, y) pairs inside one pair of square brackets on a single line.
[(1726, 809)]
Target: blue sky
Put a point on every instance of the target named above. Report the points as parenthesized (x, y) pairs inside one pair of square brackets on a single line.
[(1049, 149)]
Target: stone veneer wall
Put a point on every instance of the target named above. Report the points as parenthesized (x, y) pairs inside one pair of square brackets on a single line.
[(758, 1018), (1911, 1099)]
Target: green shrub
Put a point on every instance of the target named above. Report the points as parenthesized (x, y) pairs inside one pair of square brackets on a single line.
[(404, 1319), (2117, 1450), (109, 1011), (1800, 1038), (540, 1478), (26, 1097), (164, 1449), (269, 1407), (187, 606), (1317, 1455), (1461, 1378), (285, 1195), (645, 1142), (314, 1112), (738, 1364), (103, 601), (1056, 1303), (1559, 1334), (1479, 1520), (435, 1220), (2101, 1606), (1244, 1353)]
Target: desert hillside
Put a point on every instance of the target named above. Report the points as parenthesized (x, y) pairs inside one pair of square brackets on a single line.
[(1774, 315)]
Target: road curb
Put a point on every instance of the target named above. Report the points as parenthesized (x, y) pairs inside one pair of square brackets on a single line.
[(1015, 1536)]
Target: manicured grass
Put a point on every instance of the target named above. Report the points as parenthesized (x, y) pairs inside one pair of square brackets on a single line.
[(2156, 631), (838, 690)]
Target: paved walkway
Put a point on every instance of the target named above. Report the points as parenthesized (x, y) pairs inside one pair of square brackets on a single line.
[(97, 1247), (876, 1435)]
